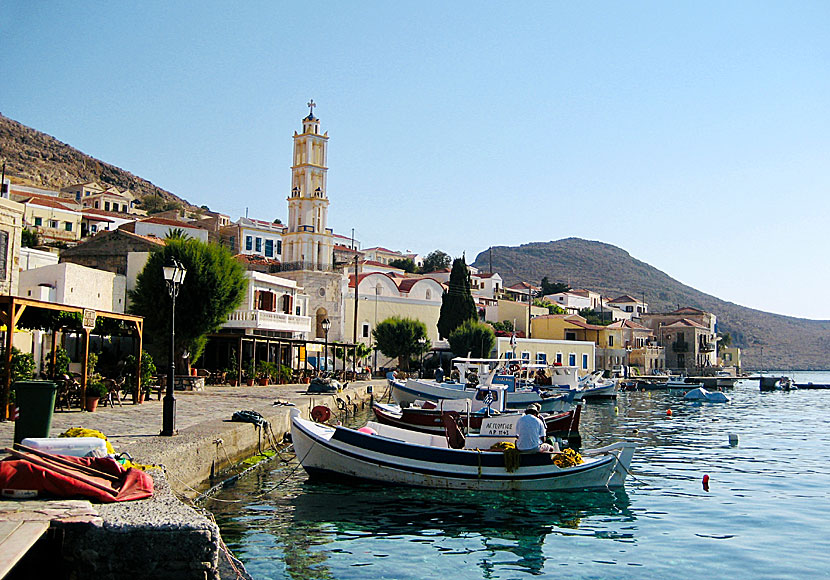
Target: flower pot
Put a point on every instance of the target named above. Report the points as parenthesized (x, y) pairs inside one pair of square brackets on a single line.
[(91, 404), (232, 382), (140, 399), (250, 382), (263, 382)]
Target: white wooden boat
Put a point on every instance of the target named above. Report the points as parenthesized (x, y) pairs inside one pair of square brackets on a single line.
[(383, 453), (594, 386)]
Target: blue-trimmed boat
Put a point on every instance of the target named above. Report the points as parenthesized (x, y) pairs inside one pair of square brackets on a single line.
[(387, 454)]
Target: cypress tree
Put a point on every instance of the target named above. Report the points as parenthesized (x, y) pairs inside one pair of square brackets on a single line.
[(457, 304)]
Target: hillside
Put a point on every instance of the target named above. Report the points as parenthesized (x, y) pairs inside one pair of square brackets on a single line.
[(37, 159), (769, 341)]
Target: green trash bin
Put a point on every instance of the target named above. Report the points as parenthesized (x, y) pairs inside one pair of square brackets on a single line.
[(35, 403)]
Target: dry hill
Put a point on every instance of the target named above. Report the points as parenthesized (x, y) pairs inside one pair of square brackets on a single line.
[(770, 341), (37, 159)]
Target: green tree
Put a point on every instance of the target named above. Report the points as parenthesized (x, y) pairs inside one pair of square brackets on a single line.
[(457, 303), (553, 288), (552, 308), (157, 204), (473, 337), (503, 326), (592, 317), (436, 260), (398, 337), (213, 287), (29, 238), (405, 264), (725, 340)]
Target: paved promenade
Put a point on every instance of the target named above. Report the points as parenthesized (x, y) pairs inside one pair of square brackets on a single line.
[(199, 415)]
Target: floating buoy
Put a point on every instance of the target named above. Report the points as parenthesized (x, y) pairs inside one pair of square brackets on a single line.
[(668, 412), (616, 410), (706, 482), (733, 439)]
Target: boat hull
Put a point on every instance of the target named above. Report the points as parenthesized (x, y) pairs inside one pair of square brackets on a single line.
[(346, 453)]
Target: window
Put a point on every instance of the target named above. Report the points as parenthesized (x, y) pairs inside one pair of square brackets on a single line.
[(53, 224), (541, 358), (279, 247), (77, 196), (365, 330), (233, 243), (249, 243), (572, 359), (559, 358), (508, 355), (97, 205), (570, 335), (93, 228), (585, 361), (38, 221), (259, 244), (526, 355), (611, 340), (428, 295), (106, 206), (124, 208), (68, 226), (269, 248), (4, 249)]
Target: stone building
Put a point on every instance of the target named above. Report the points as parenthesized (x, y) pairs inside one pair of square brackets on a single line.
[(11, 228), (689, 338)]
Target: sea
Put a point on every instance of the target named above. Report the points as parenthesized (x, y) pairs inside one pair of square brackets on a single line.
[(764, 511)]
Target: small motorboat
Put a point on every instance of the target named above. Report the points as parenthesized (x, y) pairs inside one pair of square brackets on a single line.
[(382, 453), (681, 383), (594, 386), (779, 384), (701, 394)]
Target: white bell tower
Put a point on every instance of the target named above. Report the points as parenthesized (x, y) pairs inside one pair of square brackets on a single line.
[(308, 241)]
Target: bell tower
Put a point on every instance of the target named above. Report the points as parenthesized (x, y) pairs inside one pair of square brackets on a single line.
[(308, 242)]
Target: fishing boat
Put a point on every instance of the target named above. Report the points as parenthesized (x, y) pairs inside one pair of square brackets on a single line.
[(594, 386), (383, 453), (473, 372), (777, 384), (475, 415), (681, 384)]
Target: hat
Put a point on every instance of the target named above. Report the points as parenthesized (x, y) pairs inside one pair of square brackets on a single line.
[(533, 408)]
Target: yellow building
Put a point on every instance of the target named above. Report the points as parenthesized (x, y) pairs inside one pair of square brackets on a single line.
[(52, 218), (575, 353)]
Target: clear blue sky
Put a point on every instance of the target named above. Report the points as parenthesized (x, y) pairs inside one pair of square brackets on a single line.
[(692, 134)]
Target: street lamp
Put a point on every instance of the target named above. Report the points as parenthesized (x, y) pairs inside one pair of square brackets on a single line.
[(421, 343), (174, 275), (326, 324)]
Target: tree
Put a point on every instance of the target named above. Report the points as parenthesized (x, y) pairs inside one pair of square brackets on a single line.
[(457, 303), (552, 308), (29, 238), (214, 286), (436, 260), (725, 340), (405, 264), (592, 317), (473, 337), (157, 204), (553, 288), (398, 337)]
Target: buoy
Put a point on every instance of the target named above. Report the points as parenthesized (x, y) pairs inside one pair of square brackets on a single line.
[(368, 430), (706, 482), (321, 413), (668, 412), (616, 410), (733, 439)]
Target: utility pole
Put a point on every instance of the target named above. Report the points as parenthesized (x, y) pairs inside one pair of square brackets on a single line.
[(356, 304)]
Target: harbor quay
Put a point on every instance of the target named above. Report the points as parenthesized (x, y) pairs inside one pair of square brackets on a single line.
[(164, 536)]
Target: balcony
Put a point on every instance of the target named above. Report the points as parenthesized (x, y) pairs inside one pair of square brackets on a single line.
[(264, 320), (707, 347), (680, 346)]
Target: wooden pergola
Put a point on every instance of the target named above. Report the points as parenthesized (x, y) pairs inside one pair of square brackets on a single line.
[(12, 308)]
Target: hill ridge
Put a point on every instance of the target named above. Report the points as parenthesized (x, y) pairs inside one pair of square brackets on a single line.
[(768, 340)]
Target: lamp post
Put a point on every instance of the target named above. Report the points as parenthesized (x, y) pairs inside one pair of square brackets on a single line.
[(174, 275), (421, 343), (326, 324)]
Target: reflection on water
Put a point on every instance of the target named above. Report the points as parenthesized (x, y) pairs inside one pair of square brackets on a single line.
[(665, 524)]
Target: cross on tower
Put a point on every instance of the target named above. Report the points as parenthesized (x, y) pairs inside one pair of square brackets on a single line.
[(311, 105)]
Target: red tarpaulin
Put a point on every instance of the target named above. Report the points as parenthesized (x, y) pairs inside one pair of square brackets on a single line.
[(114, 484)]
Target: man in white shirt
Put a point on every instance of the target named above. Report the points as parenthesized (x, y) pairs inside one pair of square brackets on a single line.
[(531, 431)]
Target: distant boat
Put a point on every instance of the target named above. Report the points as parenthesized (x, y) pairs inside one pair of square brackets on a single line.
[(777, 384), (387, 454), (701, 394)]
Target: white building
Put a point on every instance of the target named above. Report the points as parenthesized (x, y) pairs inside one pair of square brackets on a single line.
[(162, 227), (273, 305), (75, 285)]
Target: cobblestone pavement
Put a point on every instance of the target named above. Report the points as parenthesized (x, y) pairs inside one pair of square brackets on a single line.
[(128, 424)]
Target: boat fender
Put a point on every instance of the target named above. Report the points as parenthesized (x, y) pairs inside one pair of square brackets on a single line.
[(321, 413), (368, 431), (706, 482)]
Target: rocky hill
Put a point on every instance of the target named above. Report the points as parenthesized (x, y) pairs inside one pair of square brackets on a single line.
[(769, 341), (37, 159)]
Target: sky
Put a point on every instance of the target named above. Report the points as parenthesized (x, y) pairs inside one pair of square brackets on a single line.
[(694, 135)]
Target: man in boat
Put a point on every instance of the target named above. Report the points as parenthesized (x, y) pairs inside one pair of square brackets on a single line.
[(531, 431), (439, 374)]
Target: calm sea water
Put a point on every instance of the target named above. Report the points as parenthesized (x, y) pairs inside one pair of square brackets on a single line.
[(766, 513)]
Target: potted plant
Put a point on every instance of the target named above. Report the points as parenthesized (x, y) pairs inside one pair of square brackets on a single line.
[(250, 372), (94, 391), (265, 373), (148, 373)]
